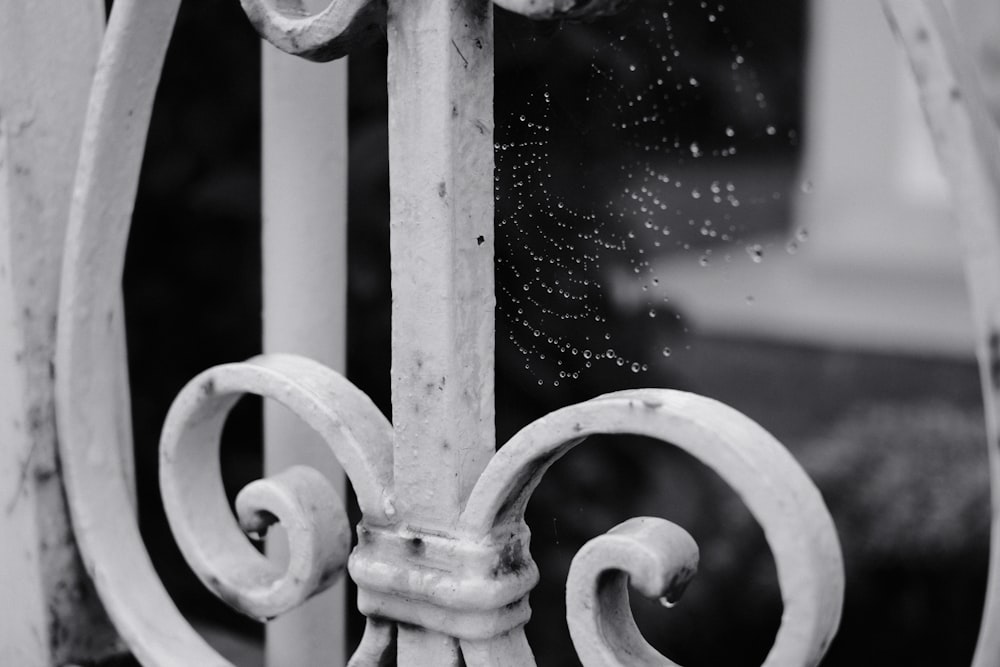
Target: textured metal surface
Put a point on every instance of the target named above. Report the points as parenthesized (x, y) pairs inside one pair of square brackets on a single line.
[(321, 36), (796, 523), (443, 564), (48, 52), (299, 498), (90, 425)]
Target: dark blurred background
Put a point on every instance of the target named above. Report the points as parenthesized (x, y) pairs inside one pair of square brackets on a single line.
[(587, 115)]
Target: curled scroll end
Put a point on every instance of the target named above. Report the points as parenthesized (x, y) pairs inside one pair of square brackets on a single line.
[(305, 504), (320, 37), (657, 557), (789, 508), (563, 9), (301, 499)]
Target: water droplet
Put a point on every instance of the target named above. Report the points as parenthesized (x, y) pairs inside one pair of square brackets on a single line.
[(652, 312), (666, 352), (665, 601), (756, 252)]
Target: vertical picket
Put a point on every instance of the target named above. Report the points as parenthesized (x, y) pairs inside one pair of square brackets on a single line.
[(48, 53), (305, 293), (441, 223)]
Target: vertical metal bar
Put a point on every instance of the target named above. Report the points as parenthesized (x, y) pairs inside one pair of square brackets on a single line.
[(304, 239), (441, 222), (48, 54)]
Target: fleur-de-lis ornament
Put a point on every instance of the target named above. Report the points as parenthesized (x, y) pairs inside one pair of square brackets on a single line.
[(442, 564)]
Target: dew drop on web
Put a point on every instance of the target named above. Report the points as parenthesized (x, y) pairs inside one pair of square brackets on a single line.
[(619, 153)]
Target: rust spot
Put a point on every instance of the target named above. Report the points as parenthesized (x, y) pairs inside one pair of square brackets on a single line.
[(442, 189), (510, 560), (208, 387), (955, 94), (479, 43), (454, 111), (922, 35), (416, 546), (480, 240)]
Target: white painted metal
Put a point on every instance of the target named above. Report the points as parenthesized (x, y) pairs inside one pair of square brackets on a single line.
[(90, 425), (304, 252), (300, 498), (442, 562), (441, 225), (441, 243), (966, 139), (322, 35), (773, 486), (48, 53), (656, 557)]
